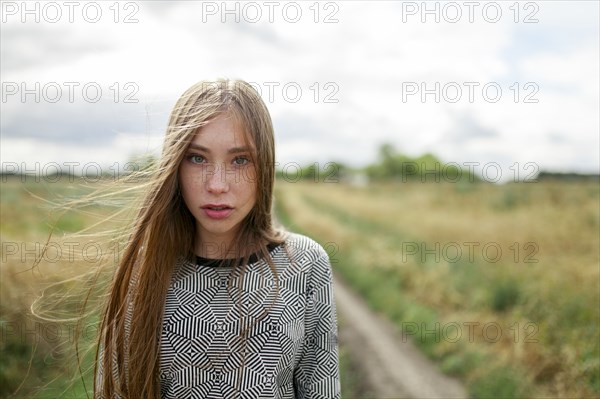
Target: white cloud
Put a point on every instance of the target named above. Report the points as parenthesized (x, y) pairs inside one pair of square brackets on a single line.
[(367, 56)]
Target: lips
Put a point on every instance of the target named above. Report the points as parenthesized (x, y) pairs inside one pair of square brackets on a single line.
[(216, 208), (217, 211)]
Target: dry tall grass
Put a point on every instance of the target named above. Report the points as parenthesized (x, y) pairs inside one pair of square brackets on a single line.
[(540, 293), (43, 290), (372, 234)]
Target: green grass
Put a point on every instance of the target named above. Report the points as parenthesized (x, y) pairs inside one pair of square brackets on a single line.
[(545, 320), (38, 355), (553, 294)]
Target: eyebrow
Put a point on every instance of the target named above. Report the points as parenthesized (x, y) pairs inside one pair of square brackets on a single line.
[(234, 150)]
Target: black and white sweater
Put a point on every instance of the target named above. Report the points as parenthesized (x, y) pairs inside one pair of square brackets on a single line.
[(290, 350)]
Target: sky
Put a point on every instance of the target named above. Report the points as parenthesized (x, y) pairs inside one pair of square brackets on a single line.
[(508, 88)]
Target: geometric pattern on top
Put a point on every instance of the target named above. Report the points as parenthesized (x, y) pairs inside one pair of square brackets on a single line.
[(232, 335)]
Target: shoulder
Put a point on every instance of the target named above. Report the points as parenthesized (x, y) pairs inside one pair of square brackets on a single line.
[(307, 256), (301, 246)]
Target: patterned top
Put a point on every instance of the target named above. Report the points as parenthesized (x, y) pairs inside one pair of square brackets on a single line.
[(290, 349)]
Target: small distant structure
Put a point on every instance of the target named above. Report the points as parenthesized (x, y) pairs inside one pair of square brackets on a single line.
[(354, 178)]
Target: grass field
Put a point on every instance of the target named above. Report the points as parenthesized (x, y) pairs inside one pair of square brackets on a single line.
[(499, 284), (39, 354)]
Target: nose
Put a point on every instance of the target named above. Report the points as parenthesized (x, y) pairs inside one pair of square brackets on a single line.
[(216, 179)]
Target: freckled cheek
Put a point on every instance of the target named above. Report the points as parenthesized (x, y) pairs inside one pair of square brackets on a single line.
[(248, 185), (250, 176), (189, 182)]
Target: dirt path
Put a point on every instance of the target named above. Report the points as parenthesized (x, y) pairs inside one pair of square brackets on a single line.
[(394, 369)]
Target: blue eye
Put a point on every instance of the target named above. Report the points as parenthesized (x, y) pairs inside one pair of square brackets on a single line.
[(241, 161), (196, 158)]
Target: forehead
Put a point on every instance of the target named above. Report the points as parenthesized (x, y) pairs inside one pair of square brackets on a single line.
[(225, 128)]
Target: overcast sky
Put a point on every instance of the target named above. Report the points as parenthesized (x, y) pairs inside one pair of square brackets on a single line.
[(487, 82)]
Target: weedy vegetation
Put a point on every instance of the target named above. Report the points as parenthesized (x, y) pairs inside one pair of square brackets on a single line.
[(522, 322)]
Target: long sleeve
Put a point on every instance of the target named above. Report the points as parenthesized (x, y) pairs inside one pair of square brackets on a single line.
[(290, 352), (317, 374)]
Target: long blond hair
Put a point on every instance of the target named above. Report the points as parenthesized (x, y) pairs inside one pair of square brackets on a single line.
[(164, 232)]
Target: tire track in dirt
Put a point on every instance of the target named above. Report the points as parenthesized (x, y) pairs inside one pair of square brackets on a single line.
[(393, 366)]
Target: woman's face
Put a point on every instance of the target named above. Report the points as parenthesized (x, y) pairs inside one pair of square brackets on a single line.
[(218, 183)]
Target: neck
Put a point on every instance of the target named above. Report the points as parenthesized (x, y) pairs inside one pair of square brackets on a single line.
[(222, 247), (214, 247)]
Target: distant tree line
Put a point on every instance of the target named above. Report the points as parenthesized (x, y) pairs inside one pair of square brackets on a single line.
[(328, 172), (545, 176), (392, 165)]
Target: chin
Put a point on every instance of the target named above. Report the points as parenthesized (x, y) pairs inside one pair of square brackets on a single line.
[(212, 228)]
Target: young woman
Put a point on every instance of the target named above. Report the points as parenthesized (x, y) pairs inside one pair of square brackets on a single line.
[(209, 300)]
